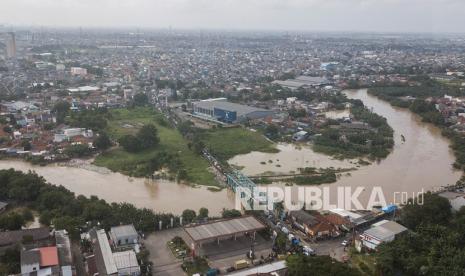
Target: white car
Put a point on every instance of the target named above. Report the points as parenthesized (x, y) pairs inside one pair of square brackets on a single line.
[(308, 251), (344, 243)]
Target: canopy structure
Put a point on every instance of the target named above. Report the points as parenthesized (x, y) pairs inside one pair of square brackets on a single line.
[(223, 228)]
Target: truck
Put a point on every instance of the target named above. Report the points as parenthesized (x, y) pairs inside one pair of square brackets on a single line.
[(240, 264)]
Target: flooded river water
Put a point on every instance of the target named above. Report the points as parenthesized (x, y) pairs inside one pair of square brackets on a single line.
[(423, 161)]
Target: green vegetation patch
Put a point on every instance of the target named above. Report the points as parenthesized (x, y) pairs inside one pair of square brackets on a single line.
[(197, 265), (225, 143), (178, 247), (172, 147), (374, 142)]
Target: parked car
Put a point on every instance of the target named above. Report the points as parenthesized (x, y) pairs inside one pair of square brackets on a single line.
[(307, 251), (344, 243)]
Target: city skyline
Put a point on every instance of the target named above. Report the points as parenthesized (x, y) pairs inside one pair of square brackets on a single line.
[(429, 16)]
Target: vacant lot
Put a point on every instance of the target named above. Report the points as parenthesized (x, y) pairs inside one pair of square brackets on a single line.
[(124, 121)]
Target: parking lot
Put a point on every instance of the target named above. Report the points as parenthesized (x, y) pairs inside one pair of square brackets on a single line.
[(164, 263)]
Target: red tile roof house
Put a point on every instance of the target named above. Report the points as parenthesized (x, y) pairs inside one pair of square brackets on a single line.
[(48, 256), (43, 260)]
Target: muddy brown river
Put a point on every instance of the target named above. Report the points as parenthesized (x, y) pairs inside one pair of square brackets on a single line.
[(422, 162)]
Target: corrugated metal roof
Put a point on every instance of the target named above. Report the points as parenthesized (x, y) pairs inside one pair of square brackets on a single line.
[(125, 259), (124, 231), (224, 228)]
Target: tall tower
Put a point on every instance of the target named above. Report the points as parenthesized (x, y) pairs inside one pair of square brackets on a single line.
[(11, 46)]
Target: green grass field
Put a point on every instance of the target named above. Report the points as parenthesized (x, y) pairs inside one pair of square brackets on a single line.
[(226, 143), (125, 121)]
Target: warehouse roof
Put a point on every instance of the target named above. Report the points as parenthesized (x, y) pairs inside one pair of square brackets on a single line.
[(126, 259), (223, 228), (241, 109), (385, 229), (103, 255)]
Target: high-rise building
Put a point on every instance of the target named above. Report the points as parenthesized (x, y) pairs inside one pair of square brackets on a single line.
[(11, 46)]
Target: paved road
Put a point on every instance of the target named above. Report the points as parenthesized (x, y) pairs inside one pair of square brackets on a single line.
[(164, 263)]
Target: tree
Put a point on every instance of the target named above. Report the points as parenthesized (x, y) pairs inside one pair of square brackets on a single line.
[(61, 109), (140, 99), (300, 265), (203, 213), (130, 143), (188, 215), (70, 224), (12, 221), (27, 215), (280, 242), (230, 213), (272, 131), (26, 144), (433, 210), (148, 136), (102, 142), (7, 129), (78, 150), (11, 261)]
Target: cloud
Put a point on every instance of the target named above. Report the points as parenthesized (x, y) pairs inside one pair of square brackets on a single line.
[(324, 15)]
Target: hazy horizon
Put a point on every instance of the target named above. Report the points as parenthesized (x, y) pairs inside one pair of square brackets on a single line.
[(398, 16)]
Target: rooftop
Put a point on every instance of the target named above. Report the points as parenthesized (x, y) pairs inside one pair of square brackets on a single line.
[(385, 229), (263, 269), (103, 255), (304, 217), (11, 237), (223, 228), (124, 231), (64, 247), (125, 259), (48, 256), (30, 257), (239, 108)]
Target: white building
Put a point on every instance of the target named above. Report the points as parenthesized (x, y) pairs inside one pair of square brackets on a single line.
[(72, 132), (456, 199), (383, 231), (124, 235), (30, 261), (112, 263), (78, 71)]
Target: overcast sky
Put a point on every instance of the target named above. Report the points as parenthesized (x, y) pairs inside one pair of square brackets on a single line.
[(301, 15)]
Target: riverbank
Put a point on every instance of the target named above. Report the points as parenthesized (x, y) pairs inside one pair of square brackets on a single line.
[(396, 96), (421, 163), (157, 195)]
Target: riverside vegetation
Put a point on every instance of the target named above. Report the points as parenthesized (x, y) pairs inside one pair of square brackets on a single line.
[(425, 109)]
